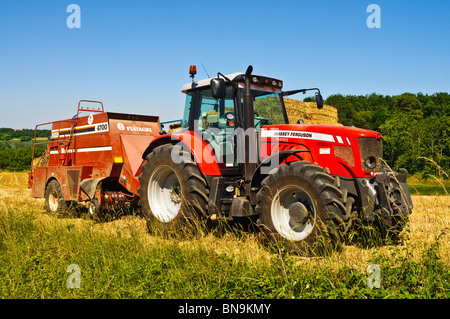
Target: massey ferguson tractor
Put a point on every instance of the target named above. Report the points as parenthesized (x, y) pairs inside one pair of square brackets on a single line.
[(237, 157), (234, 157)]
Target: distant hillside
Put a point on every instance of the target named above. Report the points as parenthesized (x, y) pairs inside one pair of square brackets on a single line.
[(7, 134)]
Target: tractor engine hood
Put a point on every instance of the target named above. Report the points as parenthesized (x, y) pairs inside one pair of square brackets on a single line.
[(345, 151), (326, 133)]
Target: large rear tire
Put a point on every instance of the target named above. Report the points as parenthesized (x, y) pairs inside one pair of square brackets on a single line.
[(302, 205), (172, 191)]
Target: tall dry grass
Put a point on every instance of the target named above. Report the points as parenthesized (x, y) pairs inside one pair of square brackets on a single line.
[(431, 216), (120, 259)]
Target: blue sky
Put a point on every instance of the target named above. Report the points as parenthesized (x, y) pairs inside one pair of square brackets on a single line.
[(134, 56)]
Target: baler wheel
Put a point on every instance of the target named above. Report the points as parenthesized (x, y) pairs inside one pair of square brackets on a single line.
[(302, 205), (94, 207), (172, 188), (54, 199)]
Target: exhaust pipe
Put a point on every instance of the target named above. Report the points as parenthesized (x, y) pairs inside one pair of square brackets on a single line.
[(249, 125)]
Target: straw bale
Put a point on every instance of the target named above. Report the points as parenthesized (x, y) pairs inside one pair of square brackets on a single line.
[(309, 113)]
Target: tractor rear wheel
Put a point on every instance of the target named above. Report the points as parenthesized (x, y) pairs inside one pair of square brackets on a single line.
[(302, 205), (172, 191)]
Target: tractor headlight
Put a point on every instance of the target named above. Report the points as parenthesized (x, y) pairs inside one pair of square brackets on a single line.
[(370, 162), (370, 152)]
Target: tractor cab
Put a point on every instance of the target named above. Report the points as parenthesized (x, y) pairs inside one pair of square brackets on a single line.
[(227, 111), (216, 110)]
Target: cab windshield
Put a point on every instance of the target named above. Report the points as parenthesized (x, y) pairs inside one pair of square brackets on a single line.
[(267, 107), (223, 113), (217, 119)]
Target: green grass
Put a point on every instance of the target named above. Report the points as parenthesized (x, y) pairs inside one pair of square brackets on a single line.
[(120, 260), (426, 190), (428, 185)]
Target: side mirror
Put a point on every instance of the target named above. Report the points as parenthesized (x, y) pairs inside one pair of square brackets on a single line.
[(218, 88), (319, 101)]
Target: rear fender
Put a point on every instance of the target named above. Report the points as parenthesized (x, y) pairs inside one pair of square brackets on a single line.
[(202, 153)]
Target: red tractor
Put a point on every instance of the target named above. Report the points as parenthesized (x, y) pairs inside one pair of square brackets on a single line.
[(237, 157)]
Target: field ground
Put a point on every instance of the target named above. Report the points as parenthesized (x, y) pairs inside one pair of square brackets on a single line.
[(13, 180), (120, 259)]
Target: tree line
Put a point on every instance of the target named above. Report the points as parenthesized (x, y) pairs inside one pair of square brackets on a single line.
[(16, 148), (415, 127), (7, 134)]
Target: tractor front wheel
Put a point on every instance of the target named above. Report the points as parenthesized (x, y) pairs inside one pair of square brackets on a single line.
[(392, 222)]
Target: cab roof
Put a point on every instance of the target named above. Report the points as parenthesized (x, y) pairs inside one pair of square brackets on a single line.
[(235, 77), (206, 82)]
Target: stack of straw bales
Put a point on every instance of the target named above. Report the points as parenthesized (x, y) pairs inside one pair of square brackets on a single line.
[(309, 113)]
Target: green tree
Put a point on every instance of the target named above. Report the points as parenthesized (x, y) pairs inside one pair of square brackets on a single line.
[(25, 138), (15, 159), (408, 103), (5, 136)]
